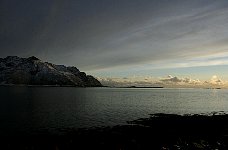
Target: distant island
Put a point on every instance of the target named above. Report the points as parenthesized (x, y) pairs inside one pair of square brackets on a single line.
[(149, 87), (214, 88), (32, 71), (145, 87)]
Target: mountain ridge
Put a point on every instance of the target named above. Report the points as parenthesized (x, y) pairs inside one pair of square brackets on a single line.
[(32, 71)]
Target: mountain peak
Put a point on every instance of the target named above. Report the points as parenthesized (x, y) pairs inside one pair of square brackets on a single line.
[(33, 58), (12, 58)]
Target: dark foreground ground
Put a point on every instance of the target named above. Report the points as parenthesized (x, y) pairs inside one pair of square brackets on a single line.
[(160, 131)]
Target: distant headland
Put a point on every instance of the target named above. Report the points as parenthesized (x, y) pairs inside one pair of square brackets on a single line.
[(32, 71), (155, 87)]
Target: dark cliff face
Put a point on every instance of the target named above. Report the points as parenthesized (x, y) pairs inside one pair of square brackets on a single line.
[(32, 71)]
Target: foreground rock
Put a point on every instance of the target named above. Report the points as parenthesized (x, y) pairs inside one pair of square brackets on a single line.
[(32, 71), (159, 132)]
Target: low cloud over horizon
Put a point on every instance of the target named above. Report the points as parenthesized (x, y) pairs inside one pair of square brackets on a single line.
[(169, 81)]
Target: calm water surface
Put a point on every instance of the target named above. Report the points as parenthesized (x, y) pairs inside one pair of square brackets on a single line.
[(52, 109)]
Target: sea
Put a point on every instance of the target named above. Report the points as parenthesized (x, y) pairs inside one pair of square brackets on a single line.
[(36, 110)]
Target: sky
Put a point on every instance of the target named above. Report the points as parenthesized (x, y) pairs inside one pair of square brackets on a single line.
[(174, 43)]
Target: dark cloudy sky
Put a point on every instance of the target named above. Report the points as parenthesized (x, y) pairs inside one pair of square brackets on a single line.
[(120, 37)]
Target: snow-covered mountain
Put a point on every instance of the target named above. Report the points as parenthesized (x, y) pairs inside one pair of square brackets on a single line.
[(33, 71)]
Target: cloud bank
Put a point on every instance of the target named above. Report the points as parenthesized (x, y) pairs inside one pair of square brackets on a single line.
[(169, 81)]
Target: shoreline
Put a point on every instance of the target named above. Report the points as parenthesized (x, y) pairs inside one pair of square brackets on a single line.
[(159, 131), (24, 85)]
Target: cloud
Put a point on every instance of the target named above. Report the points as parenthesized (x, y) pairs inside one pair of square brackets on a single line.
[(173, 81), (215, 80), (169, 81), (129, 81)]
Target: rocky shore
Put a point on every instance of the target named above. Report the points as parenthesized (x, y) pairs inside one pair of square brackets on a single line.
[(159, 131)]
